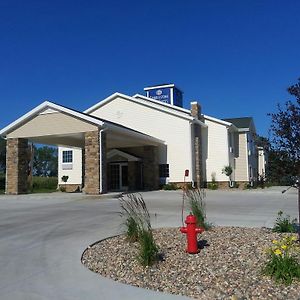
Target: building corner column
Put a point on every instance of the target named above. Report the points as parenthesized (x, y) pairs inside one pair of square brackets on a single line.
[(91, 162), (103, 162), (16, 166), (196, 113), (150, 168)]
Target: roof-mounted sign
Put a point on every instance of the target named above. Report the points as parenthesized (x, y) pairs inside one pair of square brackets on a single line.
[(167, 93)]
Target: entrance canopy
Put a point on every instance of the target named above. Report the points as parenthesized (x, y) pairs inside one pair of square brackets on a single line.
[(53, 124)]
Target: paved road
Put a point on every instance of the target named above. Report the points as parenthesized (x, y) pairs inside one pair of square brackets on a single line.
[(42, 237)]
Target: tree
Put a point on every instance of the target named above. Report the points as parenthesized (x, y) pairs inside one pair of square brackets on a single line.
[(45, 161), (285, 129), (2, 154)]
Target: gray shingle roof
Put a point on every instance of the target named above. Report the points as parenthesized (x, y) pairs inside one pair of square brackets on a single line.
[(244, 122)]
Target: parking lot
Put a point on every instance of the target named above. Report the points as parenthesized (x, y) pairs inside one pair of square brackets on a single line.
[(43, 236)]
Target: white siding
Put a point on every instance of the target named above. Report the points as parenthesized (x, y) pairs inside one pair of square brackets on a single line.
[(241, 172), (175, 131), (51, 124), (75, 174), (217, 150), (252, 156)]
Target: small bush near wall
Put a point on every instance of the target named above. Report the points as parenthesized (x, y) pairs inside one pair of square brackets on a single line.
[(170, 187), (212, 186), (44, 184)]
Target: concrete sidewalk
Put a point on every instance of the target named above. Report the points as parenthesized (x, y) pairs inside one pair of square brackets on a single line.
[(42, 237)]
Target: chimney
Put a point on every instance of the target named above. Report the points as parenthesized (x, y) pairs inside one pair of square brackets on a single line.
[(196, 110)]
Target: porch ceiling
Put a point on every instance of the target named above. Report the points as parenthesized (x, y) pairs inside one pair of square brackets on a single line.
[(69, 140), (123, 140)]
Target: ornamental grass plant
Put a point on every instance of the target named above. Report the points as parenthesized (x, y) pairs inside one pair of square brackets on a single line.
[(284, 223), (138, 227), (196, 200), (283, 260)]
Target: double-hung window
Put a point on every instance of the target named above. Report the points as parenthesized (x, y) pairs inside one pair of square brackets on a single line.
[(67, 160)]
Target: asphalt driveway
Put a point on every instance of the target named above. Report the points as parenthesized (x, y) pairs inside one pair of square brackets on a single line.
[(42, 237)]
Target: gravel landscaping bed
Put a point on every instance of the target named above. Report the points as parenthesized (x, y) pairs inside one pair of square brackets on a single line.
[(228, 266)]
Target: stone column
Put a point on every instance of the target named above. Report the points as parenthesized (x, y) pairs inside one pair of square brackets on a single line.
[(103, 165), (95, 162), (16, 166), (196, 113), (196, 110), (92, 163), (198, 158), (150, 170)]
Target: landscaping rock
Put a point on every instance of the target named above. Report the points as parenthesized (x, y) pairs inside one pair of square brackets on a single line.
[(228, 267)]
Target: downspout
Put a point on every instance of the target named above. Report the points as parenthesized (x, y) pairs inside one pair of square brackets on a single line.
[(100, 161), (192, 155), (230, 154)]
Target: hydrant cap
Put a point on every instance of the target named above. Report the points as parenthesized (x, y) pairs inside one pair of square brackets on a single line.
[(190, 219)]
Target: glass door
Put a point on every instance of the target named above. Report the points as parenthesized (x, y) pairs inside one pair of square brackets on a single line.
[(114, 177), (118, 176), (124, 176)]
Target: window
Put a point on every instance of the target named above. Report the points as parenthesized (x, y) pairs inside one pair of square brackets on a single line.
[(164, 170), (67, 156)]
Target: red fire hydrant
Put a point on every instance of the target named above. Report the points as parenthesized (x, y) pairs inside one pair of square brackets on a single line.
[(191, 232)]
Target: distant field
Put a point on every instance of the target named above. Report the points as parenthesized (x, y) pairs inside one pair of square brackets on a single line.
[(40, 184)]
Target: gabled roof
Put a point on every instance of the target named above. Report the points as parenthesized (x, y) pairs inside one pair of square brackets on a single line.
[(50, 107), (142, 97), (217, 120), (243, 123), (167, 108), (53, 107), (126, 155)]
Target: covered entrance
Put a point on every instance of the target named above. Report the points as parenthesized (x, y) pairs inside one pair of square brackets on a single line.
[(124, 171), (107, 150)]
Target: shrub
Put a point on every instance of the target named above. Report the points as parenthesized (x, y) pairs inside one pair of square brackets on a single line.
[(284, 223), (249, 185), (44, 183), (213, 185), (132, 229), (282, 264), (138, 227), (227, 170), (196, 199), (170, 187)]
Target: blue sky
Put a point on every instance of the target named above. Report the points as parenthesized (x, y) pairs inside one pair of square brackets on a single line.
[(235, 57)]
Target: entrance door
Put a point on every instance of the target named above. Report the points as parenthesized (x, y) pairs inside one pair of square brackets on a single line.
[(124, 177), (118, 176)]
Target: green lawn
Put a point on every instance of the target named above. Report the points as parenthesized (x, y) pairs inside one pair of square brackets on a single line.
[(40, 184)]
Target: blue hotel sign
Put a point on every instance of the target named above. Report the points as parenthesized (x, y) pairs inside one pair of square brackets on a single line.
[(167, 93), (161, 94)]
